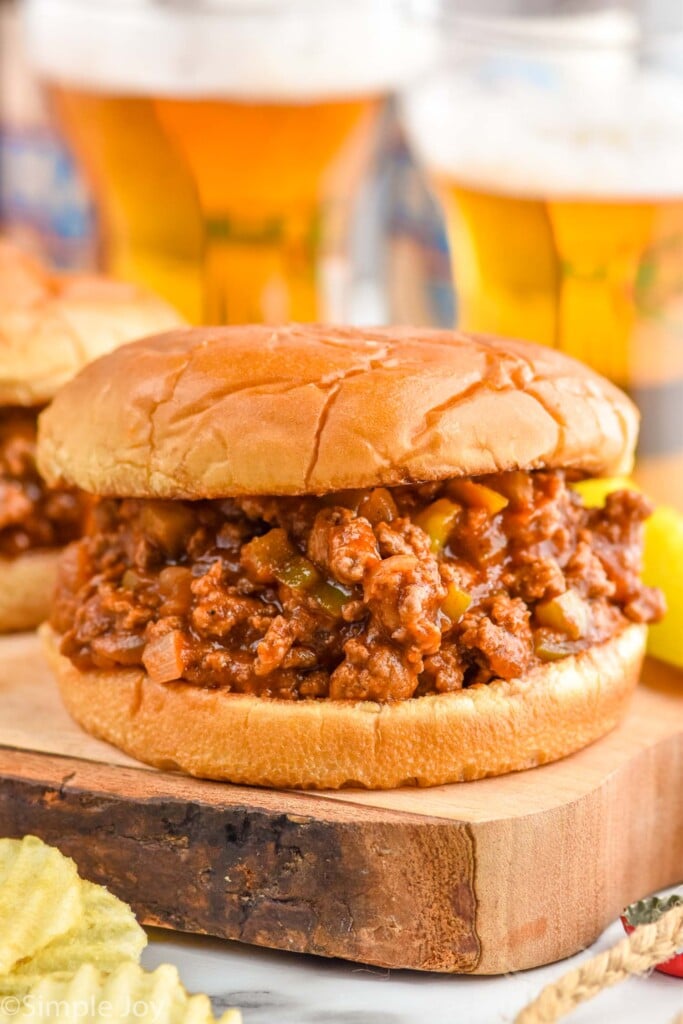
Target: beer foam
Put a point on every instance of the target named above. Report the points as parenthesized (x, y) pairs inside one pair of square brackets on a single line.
[(605, 129), (306, 49)]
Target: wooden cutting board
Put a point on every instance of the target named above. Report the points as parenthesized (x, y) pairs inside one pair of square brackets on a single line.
[(483, 877)]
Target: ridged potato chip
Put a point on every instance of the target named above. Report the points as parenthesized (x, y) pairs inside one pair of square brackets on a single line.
[(106, 935), (128, 996), (40, 898)]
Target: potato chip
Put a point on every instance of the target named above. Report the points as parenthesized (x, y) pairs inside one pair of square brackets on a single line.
[(128, 996), (40, 898), (106, 935)]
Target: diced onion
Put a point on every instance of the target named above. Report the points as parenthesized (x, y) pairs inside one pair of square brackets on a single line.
[(163, 657)]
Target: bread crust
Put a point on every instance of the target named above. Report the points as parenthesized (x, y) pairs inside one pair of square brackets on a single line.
[(27, 584), (307, 409), (428, 741), (53, 324)]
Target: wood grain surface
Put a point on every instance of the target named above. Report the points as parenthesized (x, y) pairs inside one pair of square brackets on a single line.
[(483, 877)]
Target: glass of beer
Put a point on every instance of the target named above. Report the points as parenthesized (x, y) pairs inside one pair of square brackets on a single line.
[(555, 143), (225, 140)]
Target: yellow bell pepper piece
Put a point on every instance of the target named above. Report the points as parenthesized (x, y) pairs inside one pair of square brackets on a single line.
[(456, 603), (437, 521), (594, 492), (479, 495)]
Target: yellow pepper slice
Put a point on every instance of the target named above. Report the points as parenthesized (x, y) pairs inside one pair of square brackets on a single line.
[(594, 491), (456, 603), (478, 495), (437, 521)]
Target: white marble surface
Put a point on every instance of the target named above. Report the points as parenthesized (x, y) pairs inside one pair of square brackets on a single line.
[(286, 988)]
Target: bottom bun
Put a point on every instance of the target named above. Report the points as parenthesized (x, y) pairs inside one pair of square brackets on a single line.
[(27, 583), (484, 730)]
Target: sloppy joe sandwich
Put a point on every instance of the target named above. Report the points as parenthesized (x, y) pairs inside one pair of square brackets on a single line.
[(50, 326), (325, 557)]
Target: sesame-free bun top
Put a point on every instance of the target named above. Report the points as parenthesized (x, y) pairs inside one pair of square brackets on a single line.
[(53, 324), (216, 412)]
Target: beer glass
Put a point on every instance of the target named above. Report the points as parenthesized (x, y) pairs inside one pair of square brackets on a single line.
[(555, 143), (225, 140)]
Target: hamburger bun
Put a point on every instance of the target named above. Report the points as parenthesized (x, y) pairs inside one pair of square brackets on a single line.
[(51, 324), (426, 741), (26, 586), (307, 409)]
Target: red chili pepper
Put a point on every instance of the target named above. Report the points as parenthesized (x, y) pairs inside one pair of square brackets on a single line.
[(647, 912)]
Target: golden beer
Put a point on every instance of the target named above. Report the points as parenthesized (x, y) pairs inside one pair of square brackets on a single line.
[(225, 142), (591, 276), (556, 149), (601, 279), (269, 177), (221, 207), (150, 219)]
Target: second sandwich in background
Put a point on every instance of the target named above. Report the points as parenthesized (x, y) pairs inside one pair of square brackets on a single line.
[(50, 327)]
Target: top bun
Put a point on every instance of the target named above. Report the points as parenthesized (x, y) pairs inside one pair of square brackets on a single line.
[(306, 409), (53, 324)]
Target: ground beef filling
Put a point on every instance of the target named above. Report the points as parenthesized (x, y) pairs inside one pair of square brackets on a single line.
[(366, 595), (32, 516)]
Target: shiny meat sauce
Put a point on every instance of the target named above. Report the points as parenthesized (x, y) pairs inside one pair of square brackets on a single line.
[(32, 515), (381, 595)]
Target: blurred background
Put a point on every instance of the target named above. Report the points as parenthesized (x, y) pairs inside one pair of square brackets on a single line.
[(512, 166), (245, 159)]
